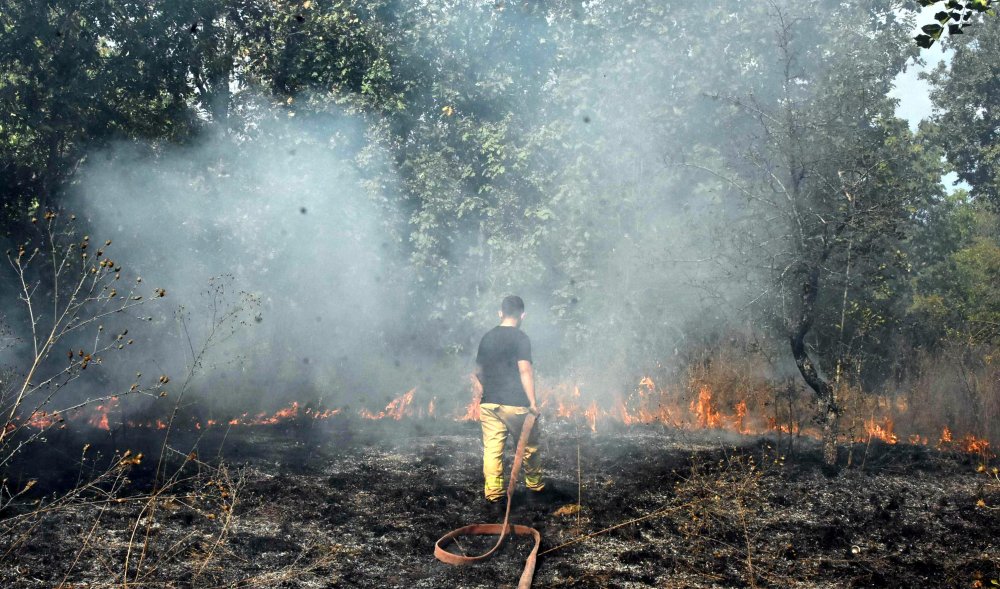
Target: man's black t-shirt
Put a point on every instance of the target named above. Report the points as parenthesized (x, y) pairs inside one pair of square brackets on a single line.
[(499, 352)]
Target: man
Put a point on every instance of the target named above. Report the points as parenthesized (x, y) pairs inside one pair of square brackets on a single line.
[(505, 381)]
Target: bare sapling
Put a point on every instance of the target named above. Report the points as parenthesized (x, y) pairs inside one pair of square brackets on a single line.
[(72, 295), (76, 305), (225, 316)]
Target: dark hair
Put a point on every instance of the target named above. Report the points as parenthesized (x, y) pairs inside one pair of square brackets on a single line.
[(512, 306)]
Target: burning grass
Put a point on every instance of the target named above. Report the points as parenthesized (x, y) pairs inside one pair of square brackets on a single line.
[(695, 407)]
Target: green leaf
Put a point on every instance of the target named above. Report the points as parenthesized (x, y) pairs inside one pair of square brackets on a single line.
[(924, 41)]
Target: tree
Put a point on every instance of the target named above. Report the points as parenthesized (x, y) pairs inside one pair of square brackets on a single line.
[(955, 297), (73, 77), (76, 78), (832, 184), (966, 98)]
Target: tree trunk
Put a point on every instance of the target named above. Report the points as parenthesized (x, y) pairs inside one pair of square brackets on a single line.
[(828, 411)]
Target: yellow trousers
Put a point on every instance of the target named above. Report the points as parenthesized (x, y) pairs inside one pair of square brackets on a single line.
[(498, 421)]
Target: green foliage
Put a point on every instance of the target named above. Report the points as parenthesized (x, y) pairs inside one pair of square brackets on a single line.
[(835, 188), (954, 15), (77, 77), (967, 96), (957, 297)]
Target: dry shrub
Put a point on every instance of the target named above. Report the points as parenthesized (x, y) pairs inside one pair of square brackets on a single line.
[(116, 525), (743, 379), (724, 521), (108, 531), (957, 387)]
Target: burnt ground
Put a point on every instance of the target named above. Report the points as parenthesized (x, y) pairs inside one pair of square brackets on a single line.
[(360, 504)]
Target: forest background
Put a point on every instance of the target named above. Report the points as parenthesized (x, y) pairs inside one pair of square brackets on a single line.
[(706, 194)]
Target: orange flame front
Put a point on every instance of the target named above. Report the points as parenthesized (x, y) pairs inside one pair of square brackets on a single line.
[(100, 417), (708, 416), (695, 407), (881, 431), (396, 409)]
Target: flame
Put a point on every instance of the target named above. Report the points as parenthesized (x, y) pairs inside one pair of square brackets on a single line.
[(471, 411), (569, 405), (707, 415), (43, 420), (591, 415), (100, 417), (945, 436), (882, 431), (285, 414), (974, 445), (741, 413), (968, 443), (650, 405), (325, 414), (282, 415), (626, 417), (786, 428), (396, 409), (647, 403)]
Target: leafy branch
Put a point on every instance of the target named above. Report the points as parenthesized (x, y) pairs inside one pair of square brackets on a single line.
[(954, 15)]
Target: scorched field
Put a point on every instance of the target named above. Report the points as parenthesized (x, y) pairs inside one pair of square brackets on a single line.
[(359, 503)]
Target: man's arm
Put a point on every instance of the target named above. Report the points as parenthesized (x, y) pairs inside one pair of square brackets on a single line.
[(477, 381), (528, 382)]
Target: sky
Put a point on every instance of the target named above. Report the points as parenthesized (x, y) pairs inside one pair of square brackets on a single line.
[(914, 94)]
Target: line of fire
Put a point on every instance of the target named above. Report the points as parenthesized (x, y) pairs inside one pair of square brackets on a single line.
[(647, 404)]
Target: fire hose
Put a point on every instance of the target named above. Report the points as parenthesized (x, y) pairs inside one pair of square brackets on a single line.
[(498, 529)]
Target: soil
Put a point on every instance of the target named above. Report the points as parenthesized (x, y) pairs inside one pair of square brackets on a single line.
[(360, 504)]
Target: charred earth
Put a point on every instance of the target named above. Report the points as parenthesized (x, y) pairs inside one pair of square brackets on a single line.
[(356, 503)]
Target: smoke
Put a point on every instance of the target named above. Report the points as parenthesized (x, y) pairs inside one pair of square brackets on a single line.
[(275, 231), (353, 294)]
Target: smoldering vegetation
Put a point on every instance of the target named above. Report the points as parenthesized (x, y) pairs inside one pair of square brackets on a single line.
[(253, 249)]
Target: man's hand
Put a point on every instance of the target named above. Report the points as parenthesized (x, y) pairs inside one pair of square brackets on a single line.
[(477, 381), (528, 382)]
